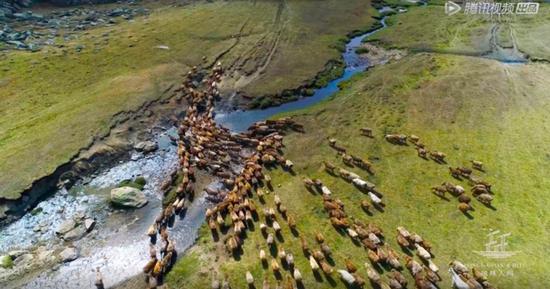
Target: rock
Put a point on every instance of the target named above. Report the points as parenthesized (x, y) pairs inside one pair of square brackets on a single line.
[(75, 234), (24, 260), (89, 224), (65, 227), (6, 262), (128, 197), (17, 253), (46, 255), (146, 146), (69, 254)]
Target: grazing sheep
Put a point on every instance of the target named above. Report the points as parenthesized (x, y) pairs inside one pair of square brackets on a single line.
[(457, 282), (373, 276), (373, 257), (366, 131), (350, 266), (308, 183), (479, 189), (403, 242), (393, 259), (297, 275), (347, 277), (275, 265), (396, 275), (458, 267), (438, 156), (464, 199), (485, 199), (276, 227), (432, 266), (289, 259), (325, 191), (414, 267), (319, 237), (413, 138), (326, 268), (477, 165), (282, 254), (439, 191), (329, 168), (403, 232), (422, 152), (455, 172), (270, 239), (325, 249), (314, 265), (399, 139), (352, 233), (465, 207), (465, 172), (375, 199), (249, 278), (422, 253), (263, 256)]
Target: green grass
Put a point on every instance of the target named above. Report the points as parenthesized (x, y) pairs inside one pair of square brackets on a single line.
[(469, 108), (428, 29), (56, 101)]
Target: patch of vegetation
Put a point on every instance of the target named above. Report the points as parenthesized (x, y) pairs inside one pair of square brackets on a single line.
[(362, 50), (36, 211), (6, 262), (138, 183), (333, 70)]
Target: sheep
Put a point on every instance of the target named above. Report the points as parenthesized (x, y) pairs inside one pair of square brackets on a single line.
[(485, 199), (403, 232), (276, 227), (313, 264), (270, 239), (403, 242), (304, 245), (265, 284), (373, 257), (281, 254), (365, 205), (325, 249), (347, 277), (458, 267), (352, 233), (399, 139), (393, 259), (373, 276), (413, 138), (366, 131), (275, 265), (326, 268), (422, 152), (464, 199), (465, 207), (319, 237), (457, 281), (422, 253), (249, 278), (438, 156), (350, 266), (297, 275), (277, 200), (414, 267), (433, 266), (263, 256), (455, 173), (326, 191), (289, 259), (375, 199), (308, 183), (477, 165)]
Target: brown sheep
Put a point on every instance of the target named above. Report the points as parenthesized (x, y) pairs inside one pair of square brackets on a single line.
[(477, 165), (485, 199), (464, 199), (413, 138), (399, 139), (422, 152), (319, 237), (350, 266), (438, 156), (455, 173), (465, 207), (366, 131)]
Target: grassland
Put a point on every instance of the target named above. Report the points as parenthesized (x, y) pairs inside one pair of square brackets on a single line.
[(470, 108), (54, 102), (428, 29)]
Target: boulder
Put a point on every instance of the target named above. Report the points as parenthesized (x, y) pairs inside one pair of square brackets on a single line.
[(65, 227), (89, 224), (128, 197), (146, 146), (68, 254), (75, 234)]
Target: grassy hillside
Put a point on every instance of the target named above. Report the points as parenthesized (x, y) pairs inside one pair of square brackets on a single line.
[(429, 29), (55, 101), (469, 108)]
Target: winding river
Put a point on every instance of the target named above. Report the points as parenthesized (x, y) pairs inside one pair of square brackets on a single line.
[(118, 244)]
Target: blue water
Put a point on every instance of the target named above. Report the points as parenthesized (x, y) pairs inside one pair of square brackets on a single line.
[(240, 120)]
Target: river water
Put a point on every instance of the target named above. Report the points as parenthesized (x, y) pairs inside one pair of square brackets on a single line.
[(118, 244)]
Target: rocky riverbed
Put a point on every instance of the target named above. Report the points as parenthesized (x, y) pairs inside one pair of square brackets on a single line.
[(24, 29)]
